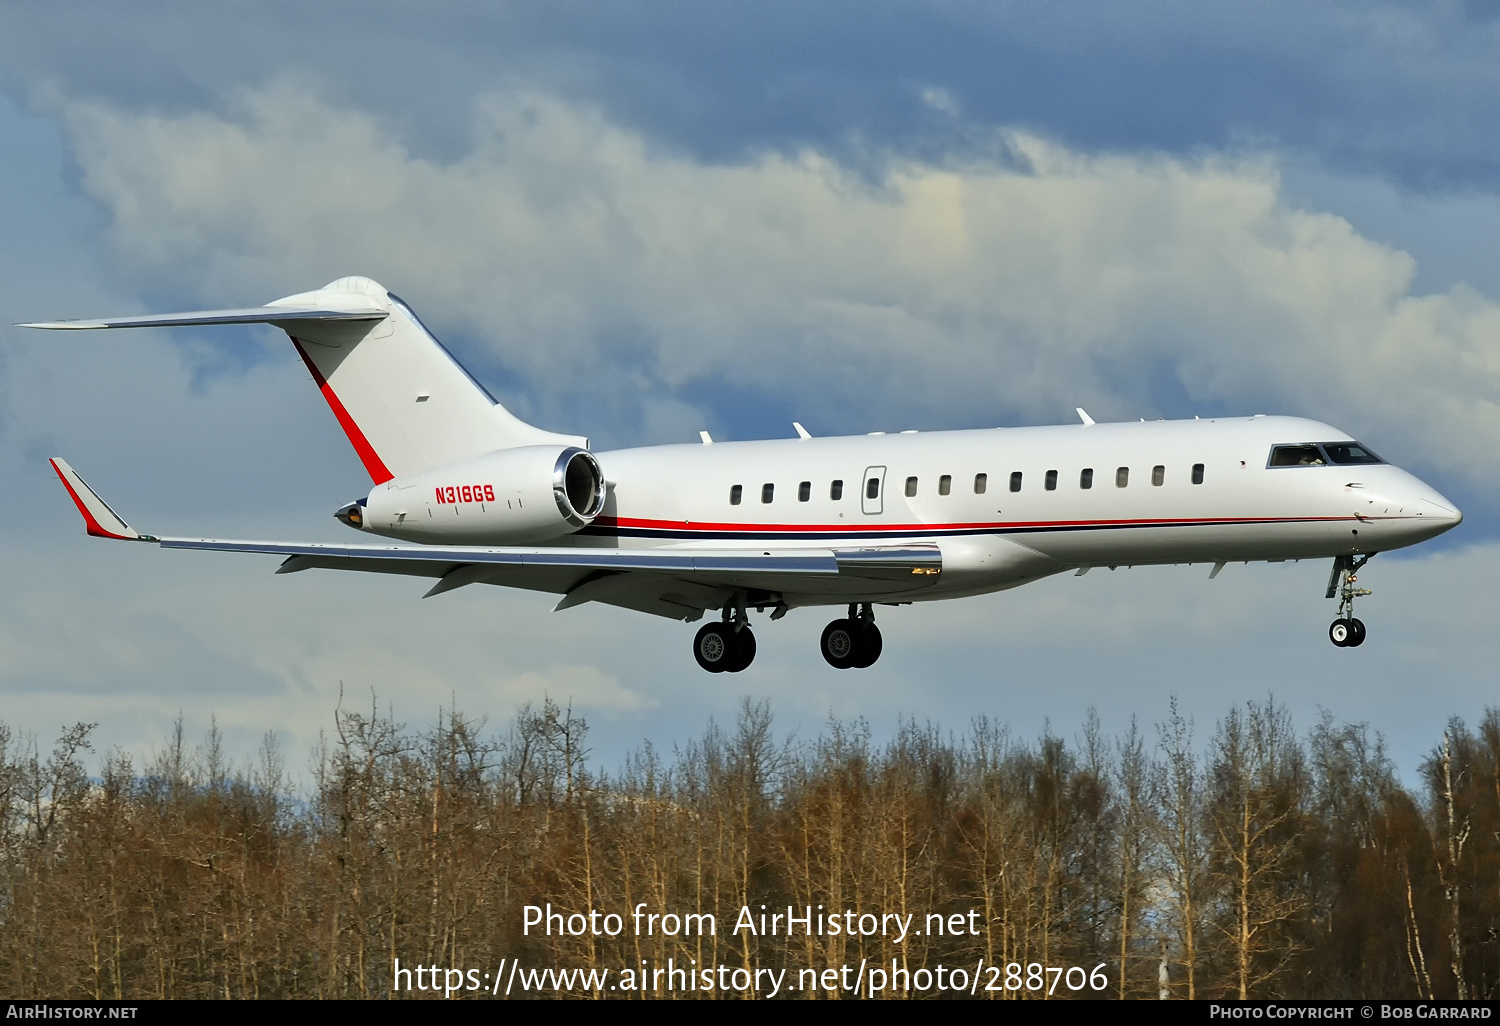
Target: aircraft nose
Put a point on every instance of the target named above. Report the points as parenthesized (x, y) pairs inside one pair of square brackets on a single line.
[(1418, 510), (1443, 509), (1435, 508)]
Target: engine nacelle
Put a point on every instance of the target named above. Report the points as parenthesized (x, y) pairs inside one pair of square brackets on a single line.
[(511, 497)]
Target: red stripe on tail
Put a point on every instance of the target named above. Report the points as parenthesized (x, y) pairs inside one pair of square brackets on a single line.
[(367, 455)]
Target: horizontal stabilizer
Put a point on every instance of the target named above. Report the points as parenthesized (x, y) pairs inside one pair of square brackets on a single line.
[(98, 518), (254, 315), (403, 401)]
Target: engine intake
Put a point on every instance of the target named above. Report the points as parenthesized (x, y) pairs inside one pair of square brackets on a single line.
[(578, 486)]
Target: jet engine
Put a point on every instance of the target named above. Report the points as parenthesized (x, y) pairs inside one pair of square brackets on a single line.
[(520, 496)]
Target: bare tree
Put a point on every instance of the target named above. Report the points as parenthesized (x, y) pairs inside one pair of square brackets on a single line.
[(1182, 847), (1257, 823)]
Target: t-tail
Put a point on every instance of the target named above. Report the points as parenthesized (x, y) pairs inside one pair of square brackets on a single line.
[(402, 399)]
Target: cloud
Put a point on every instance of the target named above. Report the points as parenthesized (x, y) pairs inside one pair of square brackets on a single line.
[(586, 685), (1011, 286)]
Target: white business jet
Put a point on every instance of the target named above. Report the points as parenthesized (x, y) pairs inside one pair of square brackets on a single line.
[(879, 519)]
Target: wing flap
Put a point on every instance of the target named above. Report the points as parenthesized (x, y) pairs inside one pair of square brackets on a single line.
[(440, 559)]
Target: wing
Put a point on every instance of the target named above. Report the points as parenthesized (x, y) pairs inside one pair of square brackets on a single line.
[(678, 582)]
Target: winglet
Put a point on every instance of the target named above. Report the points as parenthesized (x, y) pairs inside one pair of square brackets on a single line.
[(101, 521), (1087, 420)]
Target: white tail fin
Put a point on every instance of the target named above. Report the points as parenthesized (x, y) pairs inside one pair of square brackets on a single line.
[(402, 399)]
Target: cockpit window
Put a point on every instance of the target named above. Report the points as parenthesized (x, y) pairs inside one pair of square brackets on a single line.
[(1311, 454), (1296, 456), (1349, 452)]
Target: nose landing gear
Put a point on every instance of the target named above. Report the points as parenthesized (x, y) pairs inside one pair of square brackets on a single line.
[(1347, 631), (853, 642)]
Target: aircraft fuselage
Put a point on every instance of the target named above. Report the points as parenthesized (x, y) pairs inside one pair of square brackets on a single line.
[(1005, 505)]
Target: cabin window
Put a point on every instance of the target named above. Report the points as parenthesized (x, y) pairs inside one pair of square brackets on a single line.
[(836, 491), (804, 491), (1051, 482), (735, 494), (872, 488), (911, 487), (1158, 474), (767, 492), (981, 481), (1086, 478), (1122, 477), (1015, 481), (1197, 473), (945, 484), (1296, 456)]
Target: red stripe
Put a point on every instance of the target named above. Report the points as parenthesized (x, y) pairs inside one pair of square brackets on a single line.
[(89, 523), (367, 455)]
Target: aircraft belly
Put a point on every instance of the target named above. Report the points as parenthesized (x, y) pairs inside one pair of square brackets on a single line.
[(992, 562), (1309, 539)]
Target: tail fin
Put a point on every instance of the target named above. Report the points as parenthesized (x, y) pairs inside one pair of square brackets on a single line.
[(404, 401)]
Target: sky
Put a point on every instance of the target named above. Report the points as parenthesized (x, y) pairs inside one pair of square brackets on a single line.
[(635, 222)]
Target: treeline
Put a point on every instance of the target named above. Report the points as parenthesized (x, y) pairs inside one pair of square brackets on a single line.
[(1249, 862)]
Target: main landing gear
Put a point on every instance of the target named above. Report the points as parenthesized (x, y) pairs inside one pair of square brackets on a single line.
[(1346, 631), (724, 647), (854, 641), (728, 646)]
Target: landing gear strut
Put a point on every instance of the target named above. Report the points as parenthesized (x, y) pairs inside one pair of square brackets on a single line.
[(729, 646), (853, 642), (1346, 631)]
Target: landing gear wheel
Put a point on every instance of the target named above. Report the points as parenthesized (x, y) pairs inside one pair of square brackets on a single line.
[(742, 653), (869, 646), (714, 647), (1346, 631), (840, 643)]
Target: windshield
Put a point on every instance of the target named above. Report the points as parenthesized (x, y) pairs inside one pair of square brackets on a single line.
[(1316, 454), (1296, 456), (1349, 452)]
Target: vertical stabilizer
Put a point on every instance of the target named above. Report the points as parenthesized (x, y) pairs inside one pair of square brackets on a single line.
[(404, 401)]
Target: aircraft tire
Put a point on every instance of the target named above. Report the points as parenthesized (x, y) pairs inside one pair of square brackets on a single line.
[(714, 647), (1356, 633), (743, 653), (840, 643), (869, 648), (1339, 632)]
